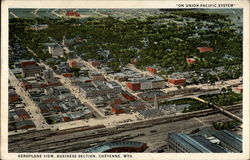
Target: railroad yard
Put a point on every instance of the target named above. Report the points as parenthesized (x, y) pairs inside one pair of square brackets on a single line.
[(150, 131)]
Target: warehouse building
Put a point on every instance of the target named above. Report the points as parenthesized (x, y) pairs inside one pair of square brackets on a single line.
[(118, 147), (206, 141), (175, 80)]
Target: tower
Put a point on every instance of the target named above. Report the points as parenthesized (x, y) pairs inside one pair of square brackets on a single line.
[(155, 103), (63, 41)]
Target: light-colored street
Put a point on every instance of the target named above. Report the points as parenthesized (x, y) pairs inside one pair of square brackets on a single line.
[(30, 107)]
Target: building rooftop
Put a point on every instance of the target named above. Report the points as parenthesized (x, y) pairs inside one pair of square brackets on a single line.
[(190, 144), (151, 113), (24, 123), (21, 112), (230, 139), (113, 83), (152, 94), (206, 143), (111, 145)]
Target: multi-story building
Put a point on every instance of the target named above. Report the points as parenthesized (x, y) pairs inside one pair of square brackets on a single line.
[(96, 76), (56, 51), (206, 140), (146, 83), (181, 142), (48, 74), (31, 70), (114, 86), (151, 69), (99, 88), (175, 80), (157, 82), (118, 109), (26, 63), (205, 49), (133, 86)]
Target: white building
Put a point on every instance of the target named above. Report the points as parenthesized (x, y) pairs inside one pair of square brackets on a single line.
[(56, 51), (114, 86)]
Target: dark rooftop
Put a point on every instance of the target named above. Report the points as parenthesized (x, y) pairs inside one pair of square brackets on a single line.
[(116, 144)]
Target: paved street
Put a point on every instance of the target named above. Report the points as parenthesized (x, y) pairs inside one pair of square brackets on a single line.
[(30, 107)]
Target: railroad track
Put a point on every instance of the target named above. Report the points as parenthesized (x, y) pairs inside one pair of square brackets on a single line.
[(51, 142)]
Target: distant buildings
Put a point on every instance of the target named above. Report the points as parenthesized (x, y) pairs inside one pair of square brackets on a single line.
[(38, 27), (205, 49), (206, 141), (72, 13), (191, 60)]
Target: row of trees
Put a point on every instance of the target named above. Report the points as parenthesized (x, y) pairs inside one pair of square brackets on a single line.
[(224, 99), (226, 125), (166, 45)]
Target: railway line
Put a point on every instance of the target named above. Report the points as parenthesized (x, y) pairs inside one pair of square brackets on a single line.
[(58, 141)]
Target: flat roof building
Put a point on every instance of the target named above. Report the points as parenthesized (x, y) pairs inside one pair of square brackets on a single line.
[(117, 147), (181, 142), (206, 140)]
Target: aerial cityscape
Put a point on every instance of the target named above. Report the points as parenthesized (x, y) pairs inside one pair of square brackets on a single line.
[(125, 80)]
